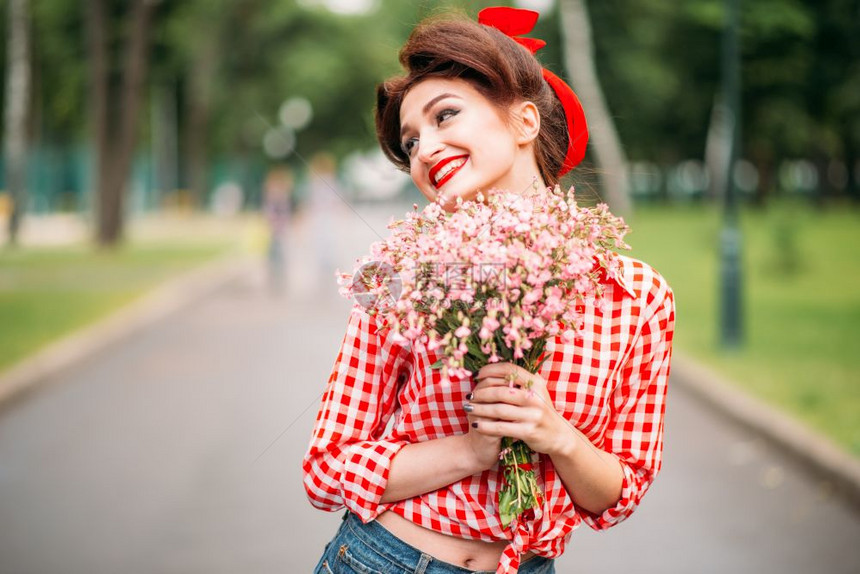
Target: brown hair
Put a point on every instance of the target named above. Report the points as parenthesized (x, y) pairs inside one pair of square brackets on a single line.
[(500, 69)]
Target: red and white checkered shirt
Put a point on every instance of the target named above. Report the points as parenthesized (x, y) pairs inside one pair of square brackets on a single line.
[(610, 383)]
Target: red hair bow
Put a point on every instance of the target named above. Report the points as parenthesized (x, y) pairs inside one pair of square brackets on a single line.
[(513, 22)]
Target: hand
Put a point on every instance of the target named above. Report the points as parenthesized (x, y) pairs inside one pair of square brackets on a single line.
[(510, 401), (485, 447)]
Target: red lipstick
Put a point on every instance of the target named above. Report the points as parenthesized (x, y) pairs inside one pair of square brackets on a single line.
[(439, 166)]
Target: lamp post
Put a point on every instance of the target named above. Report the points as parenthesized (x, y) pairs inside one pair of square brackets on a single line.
[(731, 328)]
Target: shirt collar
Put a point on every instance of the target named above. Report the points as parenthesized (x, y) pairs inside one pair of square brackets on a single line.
[(611, 268)]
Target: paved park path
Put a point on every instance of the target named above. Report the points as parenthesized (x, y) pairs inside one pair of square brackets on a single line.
[(178, 451)]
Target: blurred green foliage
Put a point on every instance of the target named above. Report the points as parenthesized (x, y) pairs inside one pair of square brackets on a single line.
[(659, 63), (660, 68), (800, 321)]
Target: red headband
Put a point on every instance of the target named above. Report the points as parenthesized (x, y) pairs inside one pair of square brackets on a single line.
[(513, 22)]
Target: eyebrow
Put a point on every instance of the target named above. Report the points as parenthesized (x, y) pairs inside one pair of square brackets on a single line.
[(405, 127)]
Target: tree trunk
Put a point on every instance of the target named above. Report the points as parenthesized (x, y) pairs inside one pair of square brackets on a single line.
[(579, 57), (17, 98), (164, 142), (852, 187), (115, 111), (98, 80), (765, 163), (199, 106)]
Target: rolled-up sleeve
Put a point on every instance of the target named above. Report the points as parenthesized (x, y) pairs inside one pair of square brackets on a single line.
[(348, 460), (635, 433)]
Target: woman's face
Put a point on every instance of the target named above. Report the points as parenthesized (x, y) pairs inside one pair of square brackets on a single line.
[(459, 143)]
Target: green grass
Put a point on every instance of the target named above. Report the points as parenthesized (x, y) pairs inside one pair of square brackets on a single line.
[(801, 272), (46, 293)]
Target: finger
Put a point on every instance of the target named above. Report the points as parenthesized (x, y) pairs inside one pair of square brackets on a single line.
[(478, 423), (501, 370), (488, 382), (499, 411), (499, 394), (498, 382), (480, 389), (512, 377), (527, 381), (499, 428), (477, 390)]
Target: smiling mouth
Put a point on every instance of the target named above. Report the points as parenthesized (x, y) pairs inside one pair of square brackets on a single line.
[(445, 170)]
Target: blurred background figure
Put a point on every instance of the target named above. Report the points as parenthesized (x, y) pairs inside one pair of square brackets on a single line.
[(227, 199), (324, 202), (277, 193)]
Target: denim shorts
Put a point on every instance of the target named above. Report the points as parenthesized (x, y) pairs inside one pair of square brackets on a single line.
[(371, 549)]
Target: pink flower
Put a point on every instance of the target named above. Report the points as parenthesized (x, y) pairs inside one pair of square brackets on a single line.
[(515, 268), (568, 335), (532, 296)]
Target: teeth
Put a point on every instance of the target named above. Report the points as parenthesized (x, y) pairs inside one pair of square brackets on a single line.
[(449, 168)]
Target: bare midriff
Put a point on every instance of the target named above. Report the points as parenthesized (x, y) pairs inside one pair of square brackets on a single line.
[(462, 552)]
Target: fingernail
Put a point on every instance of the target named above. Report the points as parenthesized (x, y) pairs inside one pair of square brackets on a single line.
[(468, 408), (474, 425), (469, 397)]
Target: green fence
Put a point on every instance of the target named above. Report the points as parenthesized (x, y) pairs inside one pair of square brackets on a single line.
[(59, 179)]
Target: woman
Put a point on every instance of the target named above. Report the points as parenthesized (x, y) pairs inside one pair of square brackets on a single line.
[(415, 462)]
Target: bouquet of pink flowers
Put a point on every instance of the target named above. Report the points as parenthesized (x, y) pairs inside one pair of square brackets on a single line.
[(492, 281)]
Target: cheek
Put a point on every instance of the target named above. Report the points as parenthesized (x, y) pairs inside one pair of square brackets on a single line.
[(420, 180), (493, 144), (415, 171)]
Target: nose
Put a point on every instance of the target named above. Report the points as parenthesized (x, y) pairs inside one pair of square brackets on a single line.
[(429, 149)]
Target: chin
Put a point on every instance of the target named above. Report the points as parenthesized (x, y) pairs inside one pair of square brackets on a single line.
[(451, 195)]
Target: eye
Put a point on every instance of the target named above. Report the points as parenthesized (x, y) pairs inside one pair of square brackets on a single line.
[(446, 114), (408, 146)]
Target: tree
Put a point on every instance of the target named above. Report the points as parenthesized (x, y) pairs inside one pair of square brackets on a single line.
[(190, 48), (579, 56), (227, 65), (115, 102), (16, 112)]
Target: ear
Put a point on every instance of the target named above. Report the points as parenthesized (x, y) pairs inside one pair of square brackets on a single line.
[(527, 122)]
